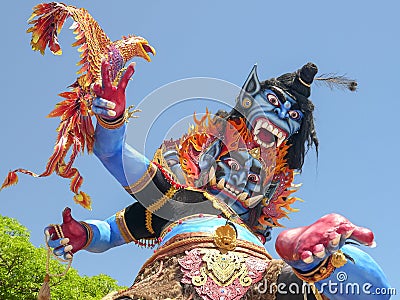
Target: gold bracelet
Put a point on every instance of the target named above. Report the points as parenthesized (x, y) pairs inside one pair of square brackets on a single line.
[(326, 268), (112, 124), (89, 232), (123, 228)]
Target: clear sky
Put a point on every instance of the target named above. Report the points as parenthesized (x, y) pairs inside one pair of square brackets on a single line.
[(357, 170)]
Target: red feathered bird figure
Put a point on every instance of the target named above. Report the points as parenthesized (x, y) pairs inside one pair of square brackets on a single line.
[(75, 131)]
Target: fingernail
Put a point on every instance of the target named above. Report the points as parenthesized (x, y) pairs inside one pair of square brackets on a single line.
[(64, 241), (111, 113), (307, 257), (335, 241), (111, 104), (320, 254), (348, 234), (308, 260), (68, 256), (68, 248)]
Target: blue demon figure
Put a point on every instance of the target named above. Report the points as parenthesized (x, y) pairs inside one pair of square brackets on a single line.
[(206, 250), (272, 112)]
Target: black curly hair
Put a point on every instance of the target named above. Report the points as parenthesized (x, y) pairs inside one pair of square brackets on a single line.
[(297, 84)]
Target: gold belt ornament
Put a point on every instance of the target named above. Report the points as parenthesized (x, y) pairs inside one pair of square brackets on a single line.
[(223, 269), (225, 238)]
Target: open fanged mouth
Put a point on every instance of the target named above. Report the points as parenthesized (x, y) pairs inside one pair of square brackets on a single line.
[(235, 194), (266, 133)]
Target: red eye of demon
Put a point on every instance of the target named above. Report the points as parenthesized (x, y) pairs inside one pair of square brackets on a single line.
[(294, 114), (233, 164), (253, 178), (273, 100)]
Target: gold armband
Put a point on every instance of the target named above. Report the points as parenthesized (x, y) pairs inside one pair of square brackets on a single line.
[(143, 181)]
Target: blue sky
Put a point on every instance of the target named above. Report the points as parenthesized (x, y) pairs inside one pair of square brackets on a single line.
[(357, 170)]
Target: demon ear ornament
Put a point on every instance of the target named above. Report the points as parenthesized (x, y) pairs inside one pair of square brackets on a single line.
[(250, 88), (209, 157)]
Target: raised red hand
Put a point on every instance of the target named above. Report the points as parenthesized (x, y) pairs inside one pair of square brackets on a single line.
[(305, 247), (75, 235), (112, 101)]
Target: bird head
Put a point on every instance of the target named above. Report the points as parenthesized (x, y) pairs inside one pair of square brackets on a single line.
[(132, 46)]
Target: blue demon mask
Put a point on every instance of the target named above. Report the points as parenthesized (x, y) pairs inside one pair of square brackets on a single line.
[(272, 114), (238, 176)]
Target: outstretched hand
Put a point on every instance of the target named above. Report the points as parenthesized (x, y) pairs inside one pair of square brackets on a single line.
[(111, 101), (75, 236), (305, 247)]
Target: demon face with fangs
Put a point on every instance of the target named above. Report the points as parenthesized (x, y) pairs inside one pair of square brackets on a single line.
[(272, 114), (239, 177)]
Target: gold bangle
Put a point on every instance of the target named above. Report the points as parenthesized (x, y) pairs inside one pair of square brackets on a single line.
[(326, 268), (123, 228), (112, 124), (89, 232)]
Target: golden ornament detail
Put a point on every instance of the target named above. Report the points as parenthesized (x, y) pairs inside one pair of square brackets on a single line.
[(338, 259), (225, 238), (223, 268)]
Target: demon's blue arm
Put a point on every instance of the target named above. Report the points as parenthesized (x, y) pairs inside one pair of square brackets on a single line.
[(318, 254)]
